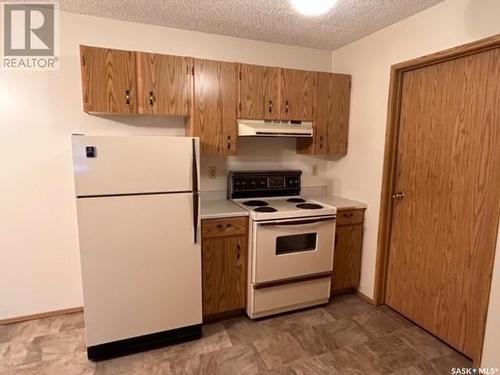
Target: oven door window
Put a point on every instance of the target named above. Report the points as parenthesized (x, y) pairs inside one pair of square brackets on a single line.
[(296, 243)]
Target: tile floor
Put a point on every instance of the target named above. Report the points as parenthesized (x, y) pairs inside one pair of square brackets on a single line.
[(348, 336)]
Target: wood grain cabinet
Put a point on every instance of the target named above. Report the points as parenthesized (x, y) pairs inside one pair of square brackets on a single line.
[(224, 265), (331, 117), (164, 84), (347, 251), (215, 106), (298, 94), (109, 81), (211, 95), (258, 92)]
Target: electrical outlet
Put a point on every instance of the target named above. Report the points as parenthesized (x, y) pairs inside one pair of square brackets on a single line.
[(315, 170), (212, 172)]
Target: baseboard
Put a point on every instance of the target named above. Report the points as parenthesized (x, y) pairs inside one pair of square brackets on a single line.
[(366, 298), (341, 292), (223, 315), (47, 314)]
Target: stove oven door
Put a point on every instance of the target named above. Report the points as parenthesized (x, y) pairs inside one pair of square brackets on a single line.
[(292, 248)]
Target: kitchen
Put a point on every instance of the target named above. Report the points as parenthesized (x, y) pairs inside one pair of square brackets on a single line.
[(49, 280)]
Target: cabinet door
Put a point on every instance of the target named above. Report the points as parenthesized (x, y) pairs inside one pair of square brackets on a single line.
[(258, 92), (108, 80), (164, 84), (298, 92), (224, 274), (338, 119), (347, 257), (216, 97), (318, 144), (322, 113)]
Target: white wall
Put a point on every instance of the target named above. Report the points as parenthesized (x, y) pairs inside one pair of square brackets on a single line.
[(39, 264), (369, 59)]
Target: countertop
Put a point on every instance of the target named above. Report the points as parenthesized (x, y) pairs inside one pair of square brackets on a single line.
[(222, 208), (338, 202)]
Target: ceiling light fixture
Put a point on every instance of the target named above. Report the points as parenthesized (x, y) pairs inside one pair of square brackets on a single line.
[(313, 7)]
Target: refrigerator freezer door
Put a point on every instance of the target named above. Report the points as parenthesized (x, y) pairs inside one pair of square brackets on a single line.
[(111, 165), (141, 269)]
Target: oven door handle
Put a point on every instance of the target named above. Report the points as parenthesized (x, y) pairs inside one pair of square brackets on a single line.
[(297, 222)]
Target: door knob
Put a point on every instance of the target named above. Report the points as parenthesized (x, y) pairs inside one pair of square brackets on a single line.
[(398, 196)]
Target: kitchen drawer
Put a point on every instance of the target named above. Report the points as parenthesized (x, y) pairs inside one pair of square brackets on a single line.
[(213, 228), (349, 217)]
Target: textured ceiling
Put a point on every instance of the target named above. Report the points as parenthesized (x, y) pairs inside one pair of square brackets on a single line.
[(268, 20)]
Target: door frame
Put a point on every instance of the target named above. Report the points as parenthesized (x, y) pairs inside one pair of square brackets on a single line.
[(391, 147)]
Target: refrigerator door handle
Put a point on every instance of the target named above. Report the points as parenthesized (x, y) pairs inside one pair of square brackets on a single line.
[(195, 216), (195, 192), (195, 168)]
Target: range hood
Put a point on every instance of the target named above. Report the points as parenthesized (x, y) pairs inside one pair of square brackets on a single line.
[(274, 128)]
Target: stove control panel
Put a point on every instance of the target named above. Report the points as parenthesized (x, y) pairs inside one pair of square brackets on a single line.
[(248, 184)]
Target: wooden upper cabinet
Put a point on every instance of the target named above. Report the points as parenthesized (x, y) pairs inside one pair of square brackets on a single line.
[(338, 119), (215, 106), (258, 92), (298, 94), (108, 80), (164, 84), (331, 116)]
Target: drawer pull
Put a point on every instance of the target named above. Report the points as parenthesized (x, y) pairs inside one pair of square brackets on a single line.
[(223, 227)]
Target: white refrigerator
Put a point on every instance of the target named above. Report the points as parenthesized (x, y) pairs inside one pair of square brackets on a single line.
[(139, 233)]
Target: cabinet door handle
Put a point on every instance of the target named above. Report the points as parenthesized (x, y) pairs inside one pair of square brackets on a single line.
[(321, 142), (229, 142), (286, 106), (238, 248), (127, 97), (270, 106), (152, 98)]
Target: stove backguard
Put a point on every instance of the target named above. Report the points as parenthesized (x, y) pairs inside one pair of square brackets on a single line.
[(252, 184)]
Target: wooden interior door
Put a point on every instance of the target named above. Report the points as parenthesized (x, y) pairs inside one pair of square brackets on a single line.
[(164, 84), (298, 94), (258, 92), (224, 274), (215, 106), (108, 80), (444, 229)]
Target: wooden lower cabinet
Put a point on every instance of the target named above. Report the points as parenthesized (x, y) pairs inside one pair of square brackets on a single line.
[(224, 265), (347, 252)]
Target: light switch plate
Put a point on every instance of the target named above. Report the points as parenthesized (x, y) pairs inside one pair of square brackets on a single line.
[(212, 172), (315, 170)]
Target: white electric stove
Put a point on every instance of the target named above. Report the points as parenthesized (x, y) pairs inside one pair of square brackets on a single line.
[(291, 242), (269, 208)]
